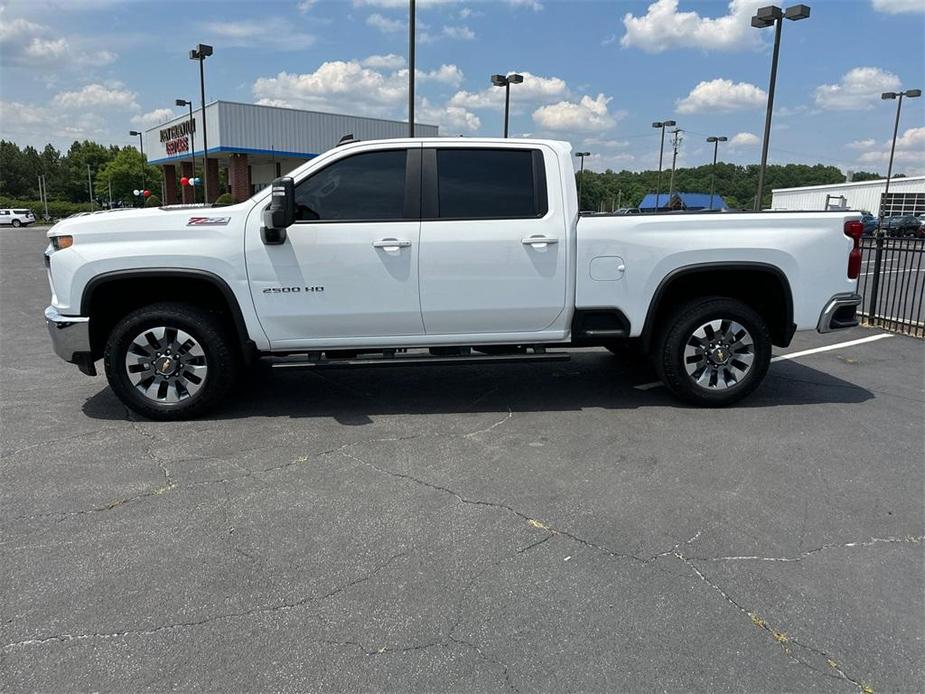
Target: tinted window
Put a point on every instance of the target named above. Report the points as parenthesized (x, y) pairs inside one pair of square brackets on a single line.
[(486, 183), (367, 186)]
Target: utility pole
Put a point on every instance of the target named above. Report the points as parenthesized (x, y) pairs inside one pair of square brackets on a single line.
[(676, 141), (411, 13), (90, 187), (110, 192)]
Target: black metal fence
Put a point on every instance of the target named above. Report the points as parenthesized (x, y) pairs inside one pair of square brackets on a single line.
[(892, 282)]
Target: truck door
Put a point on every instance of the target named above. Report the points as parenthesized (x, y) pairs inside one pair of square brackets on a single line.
[(493, 241), (349, 265)]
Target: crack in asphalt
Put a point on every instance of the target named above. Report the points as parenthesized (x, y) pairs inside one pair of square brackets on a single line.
[(908, 539), (784, 640), (278, 607)]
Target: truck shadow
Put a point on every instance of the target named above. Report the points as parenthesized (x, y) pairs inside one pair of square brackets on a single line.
[(593, 379)]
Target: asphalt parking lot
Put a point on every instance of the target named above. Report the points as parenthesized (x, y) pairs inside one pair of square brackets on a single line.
[(532, 528)]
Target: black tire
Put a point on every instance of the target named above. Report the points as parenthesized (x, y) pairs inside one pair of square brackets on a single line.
[(715, 389), (16, 223), (219, 354)]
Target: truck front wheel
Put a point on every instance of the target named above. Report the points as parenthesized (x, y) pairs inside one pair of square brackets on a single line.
[(170, 361), (714, 351)]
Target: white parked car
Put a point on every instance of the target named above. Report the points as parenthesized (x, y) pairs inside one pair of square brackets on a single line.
[(16, 217), (417, 251)]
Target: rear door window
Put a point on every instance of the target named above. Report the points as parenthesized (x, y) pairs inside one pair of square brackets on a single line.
[(490, 183)]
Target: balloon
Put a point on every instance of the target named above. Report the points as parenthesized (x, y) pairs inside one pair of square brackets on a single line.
[(136, 192), (184, 181), (147, 193), (196, 181)]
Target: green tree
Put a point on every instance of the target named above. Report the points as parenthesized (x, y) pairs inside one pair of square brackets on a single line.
[(123, 171)]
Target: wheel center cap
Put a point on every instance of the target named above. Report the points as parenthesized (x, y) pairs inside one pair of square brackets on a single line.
[(165, 366), (719, 356)]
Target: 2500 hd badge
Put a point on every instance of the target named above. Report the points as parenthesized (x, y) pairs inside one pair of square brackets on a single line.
[(291, 290)]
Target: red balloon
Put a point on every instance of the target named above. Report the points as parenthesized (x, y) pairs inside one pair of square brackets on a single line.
[(147, 193), (184, 181)]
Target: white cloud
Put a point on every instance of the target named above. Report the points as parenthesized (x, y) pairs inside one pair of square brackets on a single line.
[(664, 27), (858, 89), (744, 140), (42, 124), (910, 149), (254, 32), (152, 118), (863, 144), (898, 6), (384, 62), (586, 115), (534, 89), (305, 6), (534, 5), (451, 119), (96, 97), (445, 74), (25, 44), (722, 95), (384, 24), (462, 32)]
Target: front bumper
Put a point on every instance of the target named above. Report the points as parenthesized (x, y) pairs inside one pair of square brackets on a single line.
[(70, 338), (840, 312)]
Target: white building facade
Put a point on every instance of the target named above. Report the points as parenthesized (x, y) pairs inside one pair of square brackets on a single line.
[(255, 143), (907, 196)]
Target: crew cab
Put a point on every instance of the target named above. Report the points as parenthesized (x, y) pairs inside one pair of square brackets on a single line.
[(418, 251)]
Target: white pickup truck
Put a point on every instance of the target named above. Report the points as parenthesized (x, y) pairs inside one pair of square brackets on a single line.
[(419, 251)]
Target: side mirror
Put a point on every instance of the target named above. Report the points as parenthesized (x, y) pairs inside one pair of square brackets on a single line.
[(280, 215)]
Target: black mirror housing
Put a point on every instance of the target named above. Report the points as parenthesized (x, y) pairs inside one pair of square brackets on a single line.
[(281, 212)]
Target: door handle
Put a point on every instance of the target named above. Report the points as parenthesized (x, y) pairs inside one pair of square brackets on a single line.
[(539, 241), (391, 244)]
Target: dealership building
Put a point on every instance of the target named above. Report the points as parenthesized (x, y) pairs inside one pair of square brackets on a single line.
[(906, 196), (254, 143)]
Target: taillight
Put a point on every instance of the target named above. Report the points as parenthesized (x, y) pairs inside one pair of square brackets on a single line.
[(854, 230)]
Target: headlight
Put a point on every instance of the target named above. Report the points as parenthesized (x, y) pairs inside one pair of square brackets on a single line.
[(59, 243)]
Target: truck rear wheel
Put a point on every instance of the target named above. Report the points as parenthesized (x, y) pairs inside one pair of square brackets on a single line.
[(170, 361), (714, 351)]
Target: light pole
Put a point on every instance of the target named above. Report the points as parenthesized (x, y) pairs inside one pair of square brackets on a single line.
[(506, 81), (200, 53), (878, 253), (661, 152), (411, 75), (675, 145), (581, 175), (192, 137), (765, 17), (141, 147), (715, 140)]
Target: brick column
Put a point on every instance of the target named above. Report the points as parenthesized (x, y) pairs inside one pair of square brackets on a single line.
[(239, 177), (170, 184), (212, 193), (186, 170)]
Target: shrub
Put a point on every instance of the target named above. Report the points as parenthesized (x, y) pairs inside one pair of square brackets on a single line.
[(225, 199), (153, 201), (57, 209)]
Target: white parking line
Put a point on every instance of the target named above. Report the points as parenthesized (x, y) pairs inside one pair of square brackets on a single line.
[(794, 355)]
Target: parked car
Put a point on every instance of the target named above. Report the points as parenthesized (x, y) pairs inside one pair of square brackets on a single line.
[(16, 218), (377, 251), (627, 210), (902, 225), (870, 223)]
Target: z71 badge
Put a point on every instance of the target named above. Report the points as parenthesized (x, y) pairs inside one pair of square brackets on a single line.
[(208, 221)]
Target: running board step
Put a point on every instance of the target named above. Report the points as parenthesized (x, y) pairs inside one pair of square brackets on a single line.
[(417, 360)]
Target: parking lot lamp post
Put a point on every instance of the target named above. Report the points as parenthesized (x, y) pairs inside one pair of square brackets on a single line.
[(715, 140), (200, 53), (661, 153), (878, 252), (192, 137), (581, 175), (506, 81), (765, 17), (141, 148)]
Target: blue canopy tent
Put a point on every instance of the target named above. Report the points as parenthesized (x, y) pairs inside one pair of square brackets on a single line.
[(681, 201)]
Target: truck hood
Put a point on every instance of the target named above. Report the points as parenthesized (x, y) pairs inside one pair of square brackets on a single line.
[(149, 219)]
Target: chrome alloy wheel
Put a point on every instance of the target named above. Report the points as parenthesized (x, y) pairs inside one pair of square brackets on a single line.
[(166, 365), (719, 354)]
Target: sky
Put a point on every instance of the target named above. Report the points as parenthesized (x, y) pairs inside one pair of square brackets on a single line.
[(596, 73)]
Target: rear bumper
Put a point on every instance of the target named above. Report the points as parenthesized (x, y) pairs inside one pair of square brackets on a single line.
[(840, 312), (70, 338)]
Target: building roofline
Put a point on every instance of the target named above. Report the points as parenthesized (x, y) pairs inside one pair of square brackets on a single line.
[(851, 184)]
